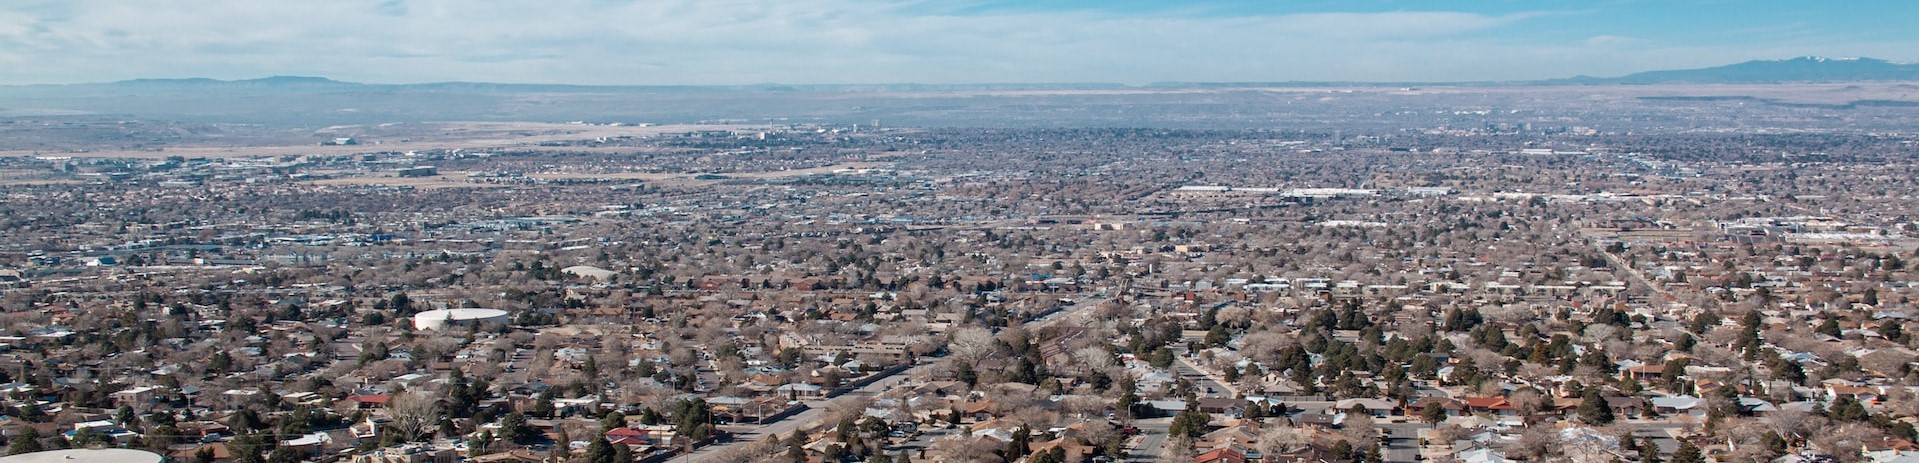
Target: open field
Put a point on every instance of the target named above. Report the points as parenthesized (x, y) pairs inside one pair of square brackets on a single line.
[(688, 178), (448, 180), (398, 138), (458, 179), (31, 182), (28, 178)]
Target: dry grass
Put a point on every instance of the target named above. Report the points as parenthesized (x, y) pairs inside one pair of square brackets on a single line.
[(472, 136), (690, 178), (34, 181), (458, 179), (450, 180)]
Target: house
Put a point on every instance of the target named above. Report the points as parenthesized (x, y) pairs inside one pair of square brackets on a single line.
[(1225, 455), (1317, 420), (511, 456), (219, 451), (940, 388), (302, 398), (1868, 394), (1221, 405), (1229, 436), (1378, 408), (141, 399), (1482, 456), (1626, 407), (365, 429), (408, 453), (104, 428), (530, 389), (1755, 406), (977, 411), (1643, 372), (309, 445), (1418, 407), (1072, 450), (801, 390), (630, 437), (369, 401), (1310, 453), (1166, 407), (1493, 405), (203, 430), (1686, 405)]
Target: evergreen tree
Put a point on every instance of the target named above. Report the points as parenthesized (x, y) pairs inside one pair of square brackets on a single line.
[(1020, 445), (513, 428), (693, 419), (479, 444), (543, 405), (1892, 331), (599, 451), (1830, 327), (1648, 451), (1687, 453), (28, 441), (1593, 409), (1846, 408), (1190, 423), (1342, 450), (1161, 358)]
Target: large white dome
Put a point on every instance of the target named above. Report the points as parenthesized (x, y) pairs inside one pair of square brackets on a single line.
[(440, 319), (85, 456)]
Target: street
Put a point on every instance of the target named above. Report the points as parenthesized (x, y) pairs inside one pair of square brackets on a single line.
[(1151, 439), (1402, 441), (1208, 385), (785, 427)]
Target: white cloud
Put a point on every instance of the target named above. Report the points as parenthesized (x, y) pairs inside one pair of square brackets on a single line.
[(751, 41)]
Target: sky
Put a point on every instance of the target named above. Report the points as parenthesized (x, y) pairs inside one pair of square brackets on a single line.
[(727, 42)]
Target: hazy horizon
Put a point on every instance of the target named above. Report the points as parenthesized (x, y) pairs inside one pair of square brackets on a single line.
[(842, 42)]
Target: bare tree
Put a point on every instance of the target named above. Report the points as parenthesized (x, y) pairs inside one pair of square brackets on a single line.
[(1281, 440), (1093, 358), (1845, 441), (971, 344), (963, 449), (1794, 423), (1537, 443), (413, 414), (1178, 450), (1360, 431), (1526, 401)]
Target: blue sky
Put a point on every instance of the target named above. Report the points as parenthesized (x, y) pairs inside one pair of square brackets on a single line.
[(925, 41)]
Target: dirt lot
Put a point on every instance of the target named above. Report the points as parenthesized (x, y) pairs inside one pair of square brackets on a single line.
[(689, 177), (406, 137), (448, 180), (459, 179)]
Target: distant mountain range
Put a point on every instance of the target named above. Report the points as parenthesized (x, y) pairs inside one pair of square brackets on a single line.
[(322, 84), (295, 101), (1801, 69)]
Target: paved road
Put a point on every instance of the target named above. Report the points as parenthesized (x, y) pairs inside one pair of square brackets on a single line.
[(1402, 441), (1151, 440), (1079, 313), (1204, 379), (1622, 264), (785, 427)]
